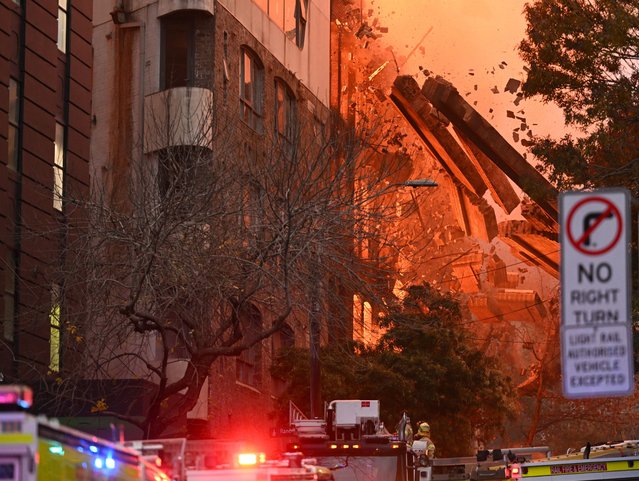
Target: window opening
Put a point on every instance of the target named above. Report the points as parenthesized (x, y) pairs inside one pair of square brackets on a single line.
[(9, 297), (284, 112), (249, 362), (14, 120), (251, 90), (177, 51), (58, 167), (54, 323), (62, 25)]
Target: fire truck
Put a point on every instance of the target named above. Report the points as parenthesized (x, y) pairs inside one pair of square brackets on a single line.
[(352, 442), (614, 461), (34, 448), (226, 460)]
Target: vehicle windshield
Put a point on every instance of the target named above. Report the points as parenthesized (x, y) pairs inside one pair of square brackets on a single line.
[(361, 468)]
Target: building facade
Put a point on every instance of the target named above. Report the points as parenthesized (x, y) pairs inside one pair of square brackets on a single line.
[(45, 125), (173, 78)]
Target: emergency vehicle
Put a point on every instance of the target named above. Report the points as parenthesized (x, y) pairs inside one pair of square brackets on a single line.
[(34, 448), (353, 444), (619, 461), (219, 460)]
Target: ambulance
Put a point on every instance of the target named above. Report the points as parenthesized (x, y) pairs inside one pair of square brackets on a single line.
[(34, 448)]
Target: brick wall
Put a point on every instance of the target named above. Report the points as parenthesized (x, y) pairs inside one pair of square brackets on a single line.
[(51, 93)]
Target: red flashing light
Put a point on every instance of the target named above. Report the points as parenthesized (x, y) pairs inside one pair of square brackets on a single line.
[(247, 459)]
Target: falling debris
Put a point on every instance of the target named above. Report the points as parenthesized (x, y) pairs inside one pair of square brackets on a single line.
[(377, 71), (494, 90), (515, 136), (365, 31), (519, 98), (512, 85), (510, 114), (475, 86)]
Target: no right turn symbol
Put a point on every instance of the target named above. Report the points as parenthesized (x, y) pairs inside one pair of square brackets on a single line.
[(594, 226)]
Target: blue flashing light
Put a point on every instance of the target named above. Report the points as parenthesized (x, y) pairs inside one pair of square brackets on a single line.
[(93, 449), (110, 463), (56, 450), (98, 463)]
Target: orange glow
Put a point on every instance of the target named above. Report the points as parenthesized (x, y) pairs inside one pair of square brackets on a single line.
[(333, 446)]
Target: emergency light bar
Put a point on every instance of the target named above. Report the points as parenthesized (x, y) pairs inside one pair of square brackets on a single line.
[(250, 459), (14, 395)]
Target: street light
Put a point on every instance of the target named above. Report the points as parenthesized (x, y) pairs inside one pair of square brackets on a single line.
[(314, 330)]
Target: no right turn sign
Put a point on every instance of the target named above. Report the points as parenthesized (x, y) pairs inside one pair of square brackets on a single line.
[(596, 335)]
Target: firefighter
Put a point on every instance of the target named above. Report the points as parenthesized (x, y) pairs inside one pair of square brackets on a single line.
[(423, 435)]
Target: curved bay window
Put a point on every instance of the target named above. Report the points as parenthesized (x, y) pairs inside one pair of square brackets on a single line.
[(251, 89)]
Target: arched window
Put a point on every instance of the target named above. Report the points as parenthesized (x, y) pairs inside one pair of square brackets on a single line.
[(251, 89), (284, 338), (284, 111)]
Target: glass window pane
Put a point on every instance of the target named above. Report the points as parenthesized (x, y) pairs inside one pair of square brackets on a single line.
[(54, 333), (62, 30), (58, 169), (13, 101), (177, 47), (276, 12), (289, 18)]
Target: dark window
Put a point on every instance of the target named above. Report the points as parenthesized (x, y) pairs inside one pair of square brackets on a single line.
[(177, 170), (301, 17), (14, 120), (284, 111), (248, 365), (9, 297), (177, 51), (251, 90), (283, 339), (296, 16)]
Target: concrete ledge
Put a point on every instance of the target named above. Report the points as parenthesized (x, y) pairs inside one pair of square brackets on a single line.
[(170, 6)]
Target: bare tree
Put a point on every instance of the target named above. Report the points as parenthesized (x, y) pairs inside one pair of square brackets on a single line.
[(214, 241)]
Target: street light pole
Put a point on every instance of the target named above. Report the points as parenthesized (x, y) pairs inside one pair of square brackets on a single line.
[(315, 329)]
